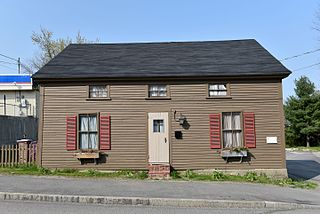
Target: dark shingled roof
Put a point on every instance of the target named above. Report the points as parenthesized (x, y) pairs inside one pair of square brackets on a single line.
[(163, 59)]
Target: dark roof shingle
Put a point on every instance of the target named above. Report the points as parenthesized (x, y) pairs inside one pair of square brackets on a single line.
[(165, 59)]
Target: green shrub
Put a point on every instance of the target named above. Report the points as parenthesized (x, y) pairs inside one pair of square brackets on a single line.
[(190, 174), (218, 176), (251, 176), (175, 174)]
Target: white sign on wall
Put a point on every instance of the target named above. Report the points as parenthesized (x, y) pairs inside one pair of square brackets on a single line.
[(272, 140)]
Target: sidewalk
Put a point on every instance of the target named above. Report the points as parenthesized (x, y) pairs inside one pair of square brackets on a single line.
[(148, 189)]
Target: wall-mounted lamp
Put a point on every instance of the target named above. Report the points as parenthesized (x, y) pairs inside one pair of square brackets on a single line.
[(181, 119)]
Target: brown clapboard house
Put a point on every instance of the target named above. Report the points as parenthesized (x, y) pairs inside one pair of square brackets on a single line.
[(185, 105)]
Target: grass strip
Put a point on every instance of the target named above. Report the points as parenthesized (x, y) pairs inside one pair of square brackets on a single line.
[(305, 149), (189, 175), (249, 177)]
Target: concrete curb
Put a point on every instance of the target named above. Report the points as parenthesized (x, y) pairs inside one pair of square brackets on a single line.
[(152, 201)]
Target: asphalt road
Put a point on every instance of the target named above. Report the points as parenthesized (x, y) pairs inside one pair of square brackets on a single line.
[(18, 207), (157, 189), (304, 165)]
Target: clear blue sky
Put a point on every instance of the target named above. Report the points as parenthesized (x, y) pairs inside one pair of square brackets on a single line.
[(282, 27)]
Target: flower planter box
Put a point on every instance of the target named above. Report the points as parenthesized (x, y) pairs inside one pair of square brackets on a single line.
[(233, 154), (85, 155), (227, 153)]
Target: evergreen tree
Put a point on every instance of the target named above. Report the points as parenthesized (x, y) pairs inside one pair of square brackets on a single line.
[(302, 114)]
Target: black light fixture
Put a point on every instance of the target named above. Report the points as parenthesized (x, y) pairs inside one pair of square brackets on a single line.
[(182, 119)]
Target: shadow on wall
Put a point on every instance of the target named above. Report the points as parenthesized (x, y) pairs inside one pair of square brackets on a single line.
[(303, 169)]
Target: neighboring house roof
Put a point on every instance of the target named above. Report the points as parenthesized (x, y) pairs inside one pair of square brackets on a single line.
[(15, 82), (163, 59)]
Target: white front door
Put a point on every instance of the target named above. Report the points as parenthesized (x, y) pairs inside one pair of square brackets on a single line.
[(158, 136)]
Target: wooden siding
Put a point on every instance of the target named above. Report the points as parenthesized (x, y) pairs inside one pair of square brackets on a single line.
[(128, 109)]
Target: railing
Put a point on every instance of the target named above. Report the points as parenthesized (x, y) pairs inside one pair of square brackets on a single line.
[(11, 155)]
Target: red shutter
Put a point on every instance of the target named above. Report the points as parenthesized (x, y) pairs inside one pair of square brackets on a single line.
[(71, 133), (105, 143), (215, 131), (249, 130)]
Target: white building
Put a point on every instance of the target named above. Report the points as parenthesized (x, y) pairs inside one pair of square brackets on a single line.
[(17, 96)]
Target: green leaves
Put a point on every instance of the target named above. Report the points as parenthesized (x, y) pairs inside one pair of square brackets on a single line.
[(302, 114)]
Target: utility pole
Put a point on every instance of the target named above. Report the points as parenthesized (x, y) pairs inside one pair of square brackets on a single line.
[(19, 66)]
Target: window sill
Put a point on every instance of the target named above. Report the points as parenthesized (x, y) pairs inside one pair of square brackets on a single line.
[(98, 99), (158, 98), (219, 97)]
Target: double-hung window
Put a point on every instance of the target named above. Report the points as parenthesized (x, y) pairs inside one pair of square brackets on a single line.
[(157, 91), (217, 90), (232, 129), (88, 132), (98, 91)]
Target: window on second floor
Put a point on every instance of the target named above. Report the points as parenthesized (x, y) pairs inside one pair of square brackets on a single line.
[(218, 90), (157, 91), (98, 91)]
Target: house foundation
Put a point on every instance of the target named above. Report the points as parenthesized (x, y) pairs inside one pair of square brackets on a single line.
[(159, 171)]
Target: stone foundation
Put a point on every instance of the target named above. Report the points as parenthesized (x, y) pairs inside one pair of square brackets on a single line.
[(159, 171)]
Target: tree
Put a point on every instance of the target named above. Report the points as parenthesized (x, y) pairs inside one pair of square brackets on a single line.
[(50, 47), (302, 113)]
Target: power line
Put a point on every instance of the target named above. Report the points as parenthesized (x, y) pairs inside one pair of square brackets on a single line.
[(10, 63), (8, 67), (18, 62), (309, 66), (8, 57), (305, 53)]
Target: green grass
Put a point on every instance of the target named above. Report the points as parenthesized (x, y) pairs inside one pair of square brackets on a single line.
[(306, 149), (35, 170), (250, 177), (189, 175)]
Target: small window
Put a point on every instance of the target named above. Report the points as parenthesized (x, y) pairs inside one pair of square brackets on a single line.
[(158, 126), (231, 128), (98, 91), (218, 90), (157, 90), (88, 132)]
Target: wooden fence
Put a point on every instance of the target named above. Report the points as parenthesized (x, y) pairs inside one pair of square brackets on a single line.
[(11, 155)]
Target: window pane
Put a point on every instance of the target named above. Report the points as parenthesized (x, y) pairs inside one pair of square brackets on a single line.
[(213, 87), (222, 93), (153, 94), (226, 121), (93, 141), (93, 123), (236, 121), (222, 87), (84, 141), (236, 138), (227, 139), (84, 123), (162, 93), (158, 126)]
